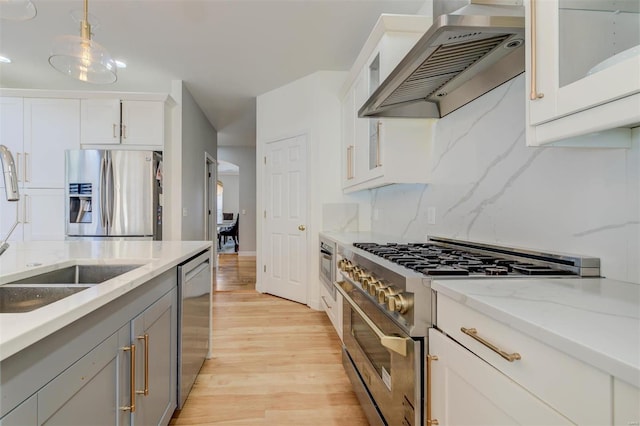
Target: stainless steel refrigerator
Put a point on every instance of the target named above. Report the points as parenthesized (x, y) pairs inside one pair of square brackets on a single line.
[(113, 194)]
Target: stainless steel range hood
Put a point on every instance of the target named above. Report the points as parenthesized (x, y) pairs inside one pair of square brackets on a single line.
[(462, 56)]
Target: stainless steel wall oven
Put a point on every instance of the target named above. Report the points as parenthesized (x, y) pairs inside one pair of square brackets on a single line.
[(328, 265)]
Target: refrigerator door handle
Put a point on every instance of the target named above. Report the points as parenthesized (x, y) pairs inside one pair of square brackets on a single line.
[(110, 192), (103, 164)]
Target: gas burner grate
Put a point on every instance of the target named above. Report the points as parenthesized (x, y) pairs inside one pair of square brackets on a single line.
[(437, 260)]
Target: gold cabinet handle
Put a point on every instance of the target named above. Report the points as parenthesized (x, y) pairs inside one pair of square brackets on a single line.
[(26, 209), (534, 91), (350, 162), (27, 169), (324, 300), (473, 333), (18, 168), (132, 379), (301, 227), (430, 421), (378, 127), (145, 392)]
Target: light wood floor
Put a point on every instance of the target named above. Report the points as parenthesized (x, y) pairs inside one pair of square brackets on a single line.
[(275, 362)]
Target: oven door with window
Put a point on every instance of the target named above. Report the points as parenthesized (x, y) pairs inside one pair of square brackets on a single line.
[(385, 358)]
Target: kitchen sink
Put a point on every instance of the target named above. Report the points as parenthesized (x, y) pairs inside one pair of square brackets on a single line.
[(16, 299), (79, 274), (34, 292)]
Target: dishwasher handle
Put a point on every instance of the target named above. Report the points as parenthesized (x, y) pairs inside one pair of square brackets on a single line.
[(194, 266), (204, 265)]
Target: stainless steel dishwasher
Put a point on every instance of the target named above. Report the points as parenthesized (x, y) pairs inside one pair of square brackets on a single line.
[(194, 312)]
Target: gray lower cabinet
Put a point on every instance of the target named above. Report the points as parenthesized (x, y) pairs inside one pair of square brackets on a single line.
[(155, 333), (83, 375), (25, 414), (87, 393)]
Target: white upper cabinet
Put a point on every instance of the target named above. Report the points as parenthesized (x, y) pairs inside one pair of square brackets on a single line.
[(377, 152), (128, 122), (583, 71), (11, 127), (100, 123), (143, 123), (51, 126), (38, 131)]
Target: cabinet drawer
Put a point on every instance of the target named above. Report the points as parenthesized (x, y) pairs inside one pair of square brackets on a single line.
[(577, 390), (333, 308), (626, 404)]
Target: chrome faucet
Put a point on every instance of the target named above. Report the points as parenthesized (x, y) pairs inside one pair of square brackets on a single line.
[(12, 193)]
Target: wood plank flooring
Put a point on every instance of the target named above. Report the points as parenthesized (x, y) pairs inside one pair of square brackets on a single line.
[(275, 362)]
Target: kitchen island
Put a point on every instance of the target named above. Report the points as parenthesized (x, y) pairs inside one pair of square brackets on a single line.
[(74, 360)]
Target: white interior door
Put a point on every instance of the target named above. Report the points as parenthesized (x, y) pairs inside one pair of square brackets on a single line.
[(286, 218)]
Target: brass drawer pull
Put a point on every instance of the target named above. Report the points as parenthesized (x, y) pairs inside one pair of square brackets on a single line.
[(430, 421), (534, 90), (132, 383), (378, 127), (473, 333), (145, 392)]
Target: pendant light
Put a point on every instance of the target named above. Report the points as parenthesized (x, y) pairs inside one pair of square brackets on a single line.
[(17, 10), (82, 58)]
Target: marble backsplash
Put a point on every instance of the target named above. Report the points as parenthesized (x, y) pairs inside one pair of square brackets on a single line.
[(488, 186), (340, 217)]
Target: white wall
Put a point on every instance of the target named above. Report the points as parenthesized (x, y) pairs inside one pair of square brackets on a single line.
[(488, 186), (191, 137), (245, 158), (231, 193)]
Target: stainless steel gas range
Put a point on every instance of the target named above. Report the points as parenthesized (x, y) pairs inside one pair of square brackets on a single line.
[(388, 308)]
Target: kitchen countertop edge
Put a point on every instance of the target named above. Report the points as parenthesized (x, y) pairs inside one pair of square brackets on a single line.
[(19, 331)]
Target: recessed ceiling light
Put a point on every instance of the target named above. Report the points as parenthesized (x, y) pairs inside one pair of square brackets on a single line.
[(120, 64), (5, 60)]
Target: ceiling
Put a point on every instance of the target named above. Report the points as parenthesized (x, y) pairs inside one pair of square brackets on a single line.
[(226, 51)]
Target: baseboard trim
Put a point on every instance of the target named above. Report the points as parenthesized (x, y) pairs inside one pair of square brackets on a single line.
[(246, 253)]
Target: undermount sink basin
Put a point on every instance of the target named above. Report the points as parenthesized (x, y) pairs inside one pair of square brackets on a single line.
[(39, 290), (79, 274), (24, 299)]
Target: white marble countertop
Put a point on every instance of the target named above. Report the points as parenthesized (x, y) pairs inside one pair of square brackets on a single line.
[(21, 260), (595, 320)]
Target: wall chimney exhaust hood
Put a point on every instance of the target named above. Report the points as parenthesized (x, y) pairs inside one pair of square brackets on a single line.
[(463, 55)]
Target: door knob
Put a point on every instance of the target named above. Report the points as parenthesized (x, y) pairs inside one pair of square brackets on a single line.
[(302, 227)]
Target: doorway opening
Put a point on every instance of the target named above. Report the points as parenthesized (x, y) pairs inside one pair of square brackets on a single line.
[(228, 208)]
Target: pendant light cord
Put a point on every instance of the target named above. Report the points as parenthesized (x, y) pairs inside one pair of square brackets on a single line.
[(85, 27)]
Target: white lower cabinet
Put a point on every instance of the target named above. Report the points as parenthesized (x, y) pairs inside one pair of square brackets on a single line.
[(626, 404), (465, 390), (40, 213), (333, 308), (576, 390)]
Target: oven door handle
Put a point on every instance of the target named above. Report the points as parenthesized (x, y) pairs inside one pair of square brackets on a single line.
[(395, 343)]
